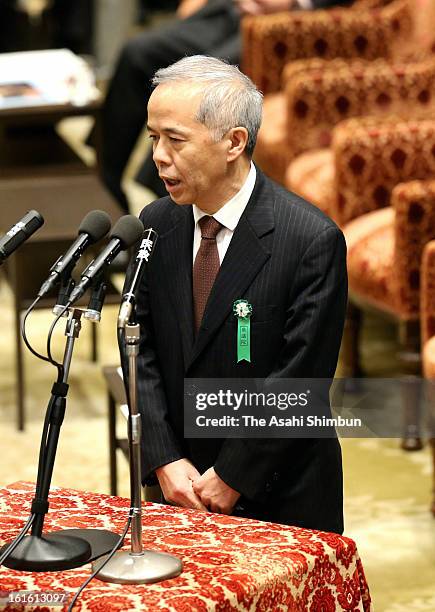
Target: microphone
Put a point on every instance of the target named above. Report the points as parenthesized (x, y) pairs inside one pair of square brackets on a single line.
[(66, 286), (143, 255), (98, 295), (125, 233), (19, 233), (93, 227)]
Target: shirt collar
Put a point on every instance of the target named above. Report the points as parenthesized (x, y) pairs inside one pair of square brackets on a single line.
[(230, 213)]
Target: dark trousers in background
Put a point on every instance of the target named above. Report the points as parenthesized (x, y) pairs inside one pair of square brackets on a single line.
[(64, 23)]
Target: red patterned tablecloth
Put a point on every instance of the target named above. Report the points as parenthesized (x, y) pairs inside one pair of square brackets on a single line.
[(229, 563)]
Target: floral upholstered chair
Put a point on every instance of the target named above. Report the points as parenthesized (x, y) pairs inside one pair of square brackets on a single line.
[(428, 340), (385, 199), (318, 95), (273, 44), (375, 181), (269, 42), (324, 95), (385, 244)]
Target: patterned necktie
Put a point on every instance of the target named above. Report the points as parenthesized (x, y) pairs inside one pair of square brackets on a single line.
[(206, 266)]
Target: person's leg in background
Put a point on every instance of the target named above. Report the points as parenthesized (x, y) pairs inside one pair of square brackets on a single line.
[(8, 33), (124, 112), (73, 24)]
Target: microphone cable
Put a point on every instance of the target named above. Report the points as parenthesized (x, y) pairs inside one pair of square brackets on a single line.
[(110, 555), (44, 436), (60, 372), (40, 473), (12, 546), (130, 512), (49, 337), (119, 335), (46, 426), (31, 349)]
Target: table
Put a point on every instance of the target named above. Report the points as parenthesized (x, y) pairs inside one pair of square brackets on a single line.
[(229, 563), (29, 142)]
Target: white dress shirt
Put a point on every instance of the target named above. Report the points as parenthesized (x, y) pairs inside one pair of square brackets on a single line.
[(229, 216)]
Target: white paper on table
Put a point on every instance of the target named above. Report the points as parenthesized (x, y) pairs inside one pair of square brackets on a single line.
[(53, 76)]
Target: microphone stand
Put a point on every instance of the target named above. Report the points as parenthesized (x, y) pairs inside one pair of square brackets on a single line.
[(68, 548), (137, 566)]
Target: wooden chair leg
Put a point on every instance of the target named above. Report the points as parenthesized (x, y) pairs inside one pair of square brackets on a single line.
[(410, 360), (350, 348), (411, 408)]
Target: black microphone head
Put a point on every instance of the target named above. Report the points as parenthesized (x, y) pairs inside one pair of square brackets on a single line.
[(128, 229), (31, 221), (96, 223)]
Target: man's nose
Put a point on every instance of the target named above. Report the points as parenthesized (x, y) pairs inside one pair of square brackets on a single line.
[(161, 153)]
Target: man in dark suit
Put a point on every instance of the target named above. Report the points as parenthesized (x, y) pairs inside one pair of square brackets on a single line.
[(227, 232), (208, 27)]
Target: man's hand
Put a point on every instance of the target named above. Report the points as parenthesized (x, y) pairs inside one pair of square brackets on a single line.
[(263, 7), (215, 493), (175, 480)]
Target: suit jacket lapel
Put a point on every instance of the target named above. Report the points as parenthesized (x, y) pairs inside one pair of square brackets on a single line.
[(245, 257), (177, 259)]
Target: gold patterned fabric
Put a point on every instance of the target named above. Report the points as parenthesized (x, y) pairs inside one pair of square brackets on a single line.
[(229, 563), (271, 41), (271, 149), (329, 92), (428, 341), (320, 94), (311, 175), (317, 102), (385, 250), (373, 165), (429, 358), (414, 203), (370, 257), (275, 142), (371, 157)]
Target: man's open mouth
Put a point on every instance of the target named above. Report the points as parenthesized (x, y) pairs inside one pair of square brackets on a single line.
[(169, 181)]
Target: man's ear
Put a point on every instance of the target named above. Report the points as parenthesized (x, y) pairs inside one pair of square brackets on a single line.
[(238, 139)]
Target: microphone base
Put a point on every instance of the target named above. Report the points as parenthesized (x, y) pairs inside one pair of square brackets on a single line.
[(48, 553), (60, 550), (149, 566)]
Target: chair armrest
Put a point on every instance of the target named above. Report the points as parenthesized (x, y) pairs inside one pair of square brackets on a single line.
[(269, 42), (428, 292), (372, 156), (321, 93), (414, 227)]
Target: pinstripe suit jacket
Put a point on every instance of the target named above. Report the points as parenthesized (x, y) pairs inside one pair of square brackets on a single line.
[(288, 260)]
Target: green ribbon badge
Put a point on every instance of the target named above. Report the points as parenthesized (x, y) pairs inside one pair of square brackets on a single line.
[(243, 311)]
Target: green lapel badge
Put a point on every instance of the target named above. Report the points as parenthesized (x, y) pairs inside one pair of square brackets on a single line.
[(243, 311)]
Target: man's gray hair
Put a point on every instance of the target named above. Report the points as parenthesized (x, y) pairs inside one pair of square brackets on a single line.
[(229, 100)]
